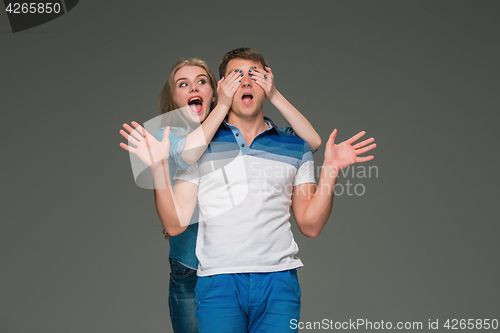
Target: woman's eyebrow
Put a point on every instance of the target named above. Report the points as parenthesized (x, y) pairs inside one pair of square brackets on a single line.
[(183, 78)]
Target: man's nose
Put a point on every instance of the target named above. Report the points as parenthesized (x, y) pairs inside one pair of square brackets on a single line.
[(246, 80)]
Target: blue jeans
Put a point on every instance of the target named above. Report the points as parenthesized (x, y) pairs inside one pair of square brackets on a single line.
[(248, 302), (181, 298)]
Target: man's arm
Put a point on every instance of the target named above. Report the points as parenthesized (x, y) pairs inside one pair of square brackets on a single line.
[(312, 206)]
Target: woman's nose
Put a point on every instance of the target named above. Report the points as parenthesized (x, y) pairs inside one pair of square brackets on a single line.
[(194, 87)]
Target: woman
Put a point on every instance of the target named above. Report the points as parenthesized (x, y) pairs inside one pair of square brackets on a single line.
[(191, 87)]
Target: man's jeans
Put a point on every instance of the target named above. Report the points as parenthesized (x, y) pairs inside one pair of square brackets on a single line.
[(248, 302), (181, 298)]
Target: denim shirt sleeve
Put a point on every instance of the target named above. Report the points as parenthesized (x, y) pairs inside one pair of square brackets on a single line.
[(177, 142)]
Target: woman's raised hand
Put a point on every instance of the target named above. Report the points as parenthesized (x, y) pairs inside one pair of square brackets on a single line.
[(227, 86), (147, 148)]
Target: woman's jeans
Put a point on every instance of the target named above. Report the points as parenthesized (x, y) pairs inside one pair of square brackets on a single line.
[(181, 298)]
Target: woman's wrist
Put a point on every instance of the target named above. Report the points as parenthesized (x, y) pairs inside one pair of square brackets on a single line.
[(274, 96)]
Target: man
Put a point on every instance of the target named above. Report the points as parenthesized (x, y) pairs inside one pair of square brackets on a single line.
[(245, 182)]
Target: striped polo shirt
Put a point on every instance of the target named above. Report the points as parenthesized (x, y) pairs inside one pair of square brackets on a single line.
[(244, 198)]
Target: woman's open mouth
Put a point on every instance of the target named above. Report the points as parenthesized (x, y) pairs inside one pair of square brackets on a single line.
[(247, 99), (196, 103)]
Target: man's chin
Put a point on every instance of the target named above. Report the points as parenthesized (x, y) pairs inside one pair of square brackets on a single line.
[(245, 112)]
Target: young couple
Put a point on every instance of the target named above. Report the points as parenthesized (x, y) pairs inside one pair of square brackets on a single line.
[(244, 174)]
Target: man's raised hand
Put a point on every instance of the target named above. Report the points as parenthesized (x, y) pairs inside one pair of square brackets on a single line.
[(344, 154)]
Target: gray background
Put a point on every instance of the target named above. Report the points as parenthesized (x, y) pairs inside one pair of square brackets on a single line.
[(81, 244)]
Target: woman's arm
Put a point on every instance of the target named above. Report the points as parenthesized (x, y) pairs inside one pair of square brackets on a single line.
[(198, 140), (299, 123), (174, 213)]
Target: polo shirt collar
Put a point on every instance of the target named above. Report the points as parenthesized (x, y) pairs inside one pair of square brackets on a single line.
[(272, 129), (272, 125)]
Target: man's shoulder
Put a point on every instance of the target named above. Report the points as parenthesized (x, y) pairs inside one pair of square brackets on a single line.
[(287, 141), (222, 133), (286, 134)]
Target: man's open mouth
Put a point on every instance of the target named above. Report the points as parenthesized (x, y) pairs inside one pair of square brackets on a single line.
[(196, 103), (247, 99)]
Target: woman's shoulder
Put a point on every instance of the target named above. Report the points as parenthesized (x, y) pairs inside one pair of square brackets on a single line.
[(175, 133)]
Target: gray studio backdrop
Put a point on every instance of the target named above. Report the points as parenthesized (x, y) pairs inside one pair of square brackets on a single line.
[(81, 245)]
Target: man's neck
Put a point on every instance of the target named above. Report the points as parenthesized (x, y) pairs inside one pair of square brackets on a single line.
[(250, 127)]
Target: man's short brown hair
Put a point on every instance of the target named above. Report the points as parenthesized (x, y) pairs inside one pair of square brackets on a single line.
[(241, 53)]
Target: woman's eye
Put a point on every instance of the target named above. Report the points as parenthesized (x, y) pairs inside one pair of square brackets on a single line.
[(183, 84), (202, 81)]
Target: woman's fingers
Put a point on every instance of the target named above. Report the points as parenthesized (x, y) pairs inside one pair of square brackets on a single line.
[(231, 81), (133, 132), (266, 74), (129, 138), (140, 129), (127, 148)]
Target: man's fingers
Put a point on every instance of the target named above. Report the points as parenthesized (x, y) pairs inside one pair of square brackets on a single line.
[(363, 143), (356, 137), (364, 159), (333, 136), (364, 150)]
